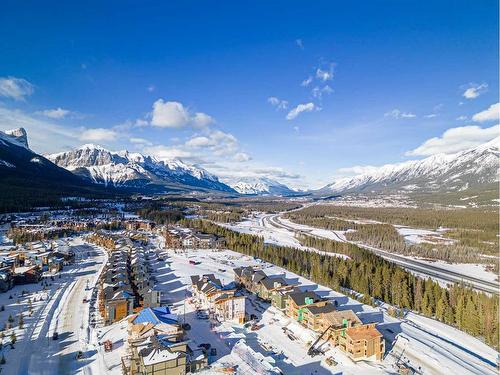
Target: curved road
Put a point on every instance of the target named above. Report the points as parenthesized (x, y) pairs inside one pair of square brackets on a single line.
[(408, 263)]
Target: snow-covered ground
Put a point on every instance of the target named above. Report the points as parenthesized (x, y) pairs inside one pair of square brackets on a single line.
[(416, 236), (61, 311), (433, 346), (266, 225), (259, 225)]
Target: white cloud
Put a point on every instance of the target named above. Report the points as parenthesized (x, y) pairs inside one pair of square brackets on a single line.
[(278, 103), (356, 170), (474, 90), (166, 153), (140, 122), (216, 141), (307, 81), (201, 119), (456, 139), (307, 107), (242, 157), (98, 135), (151, 88), (397, 114), (300, 43), (318, 92), (201, 141), (15, 88), (275, 172), (169, 114), (175, 115), (324, 75), (432, 115), (461, 118), (43, 135), (490, 114), (57, 113), (140, 141)]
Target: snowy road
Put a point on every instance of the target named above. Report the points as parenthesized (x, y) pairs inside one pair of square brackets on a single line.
[(65, 314)]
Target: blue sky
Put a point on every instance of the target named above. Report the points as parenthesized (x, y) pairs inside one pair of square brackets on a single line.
[(297, 91)]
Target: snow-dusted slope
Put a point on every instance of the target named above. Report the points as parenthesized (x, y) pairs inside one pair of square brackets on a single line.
[(123, 168), (21, 168), (448, 172), (19, 135), (260, 186)]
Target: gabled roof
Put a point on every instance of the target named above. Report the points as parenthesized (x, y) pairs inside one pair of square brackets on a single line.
[(273, 282), (258, 275)]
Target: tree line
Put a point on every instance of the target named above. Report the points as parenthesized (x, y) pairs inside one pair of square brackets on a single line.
[(464, 244)]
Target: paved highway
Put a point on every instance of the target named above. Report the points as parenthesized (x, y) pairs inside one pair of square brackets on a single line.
[(408, 263)]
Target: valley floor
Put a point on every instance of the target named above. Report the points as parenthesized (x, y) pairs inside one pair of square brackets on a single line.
[(277, 230)]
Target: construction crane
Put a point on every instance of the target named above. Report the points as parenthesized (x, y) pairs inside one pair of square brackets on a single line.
[(312, 351)]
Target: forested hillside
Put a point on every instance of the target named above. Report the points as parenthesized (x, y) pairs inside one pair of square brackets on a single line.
[(470, 233)]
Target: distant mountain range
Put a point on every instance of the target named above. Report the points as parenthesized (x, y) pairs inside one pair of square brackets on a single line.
[(95, 169), (134, 170), (261, 186), (441, 172)]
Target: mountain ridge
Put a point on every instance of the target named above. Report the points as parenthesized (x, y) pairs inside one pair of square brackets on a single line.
[(132, 169), (450, 172), (261, 186)]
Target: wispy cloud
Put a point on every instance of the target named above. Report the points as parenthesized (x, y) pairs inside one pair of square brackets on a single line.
[(398, 114), (98, 135), (473, 90), (299, 43), (307, 81), (324, 75), (279, 104), (57, 113), (318, 92), (15, 88), (306, 107)]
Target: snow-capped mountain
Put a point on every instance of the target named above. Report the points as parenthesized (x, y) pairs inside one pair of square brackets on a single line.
[(19, 135), (260, 186), (440, 172), (128, 169), (22, 170)]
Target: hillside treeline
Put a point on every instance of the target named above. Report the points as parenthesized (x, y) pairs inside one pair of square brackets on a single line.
[(473, 232), (374, 277)]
